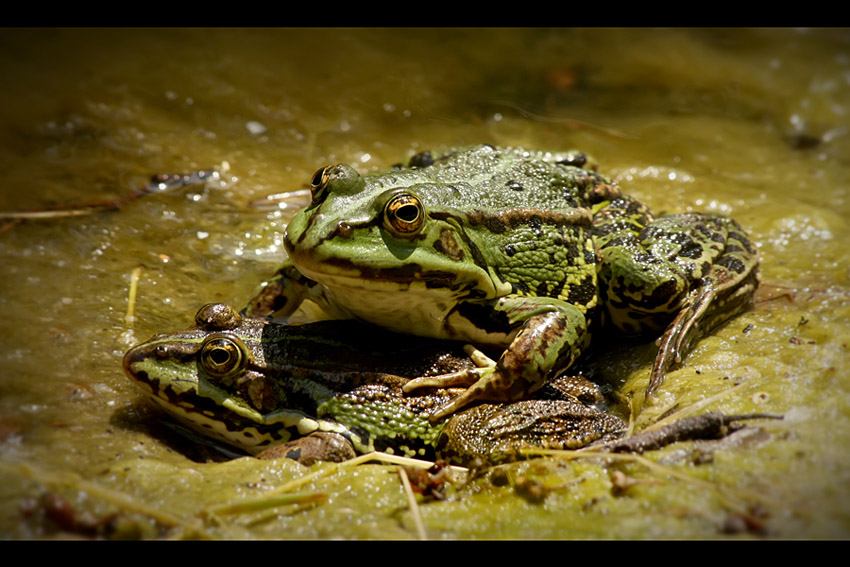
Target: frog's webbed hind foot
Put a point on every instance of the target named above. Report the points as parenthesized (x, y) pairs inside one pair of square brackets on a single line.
[(676, 341), (467, 378), (483, 384), (722, 294), (548, 341)]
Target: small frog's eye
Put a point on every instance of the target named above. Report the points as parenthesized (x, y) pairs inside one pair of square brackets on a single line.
[(320, 178), (343, 178), (404, 215), (222, 356), (319, 182)]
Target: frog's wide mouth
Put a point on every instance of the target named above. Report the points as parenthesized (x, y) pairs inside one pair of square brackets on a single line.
[(355, 275)]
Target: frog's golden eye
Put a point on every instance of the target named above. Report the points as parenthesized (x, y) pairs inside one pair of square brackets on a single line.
[(404, 214), (320, 178), (320, 181), (222, 356), (339, 179)]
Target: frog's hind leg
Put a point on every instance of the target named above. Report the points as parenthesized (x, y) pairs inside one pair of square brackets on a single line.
[(682, 273), (467, 377), (724, 292)]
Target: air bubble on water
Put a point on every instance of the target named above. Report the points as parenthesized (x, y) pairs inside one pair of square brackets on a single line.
[(255, 128)]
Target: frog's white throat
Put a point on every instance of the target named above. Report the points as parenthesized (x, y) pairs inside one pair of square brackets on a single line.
[(404, 307)]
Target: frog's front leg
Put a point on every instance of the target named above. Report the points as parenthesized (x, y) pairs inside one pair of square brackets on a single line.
[(550, 335), (281, 296), (682, 273)]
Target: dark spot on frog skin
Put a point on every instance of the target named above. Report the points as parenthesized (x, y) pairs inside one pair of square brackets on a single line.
[(448, 246), (521, 287), (732, 263), (570, 199), (582, 293), (572, 249), (717, 237), (294, 454), (690, 249), (743, 241), (494, 225), (179, 352), (422, 159), (536, 224), (733, 248), (514, 185), (542, 289), (474, 251), (556, 291), (279, 303)]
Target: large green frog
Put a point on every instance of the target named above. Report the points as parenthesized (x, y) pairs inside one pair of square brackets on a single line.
[(506, 247), (326, 391)]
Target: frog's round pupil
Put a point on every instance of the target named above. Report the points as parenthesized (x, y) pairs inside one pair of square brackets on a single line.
[(219, 355), (408, 213)]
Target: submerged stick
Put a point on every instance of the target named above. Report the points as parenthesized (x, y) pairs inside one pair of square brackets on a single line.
[(158, 183)]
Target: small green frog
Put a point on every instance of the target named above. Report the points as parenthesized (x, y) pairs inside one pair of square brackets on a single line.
[(517, 249), (329, 390)]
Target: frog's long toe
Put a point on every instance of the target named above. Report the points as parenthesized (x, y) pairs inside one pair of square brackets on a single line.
[(450, 380), (484, 385)]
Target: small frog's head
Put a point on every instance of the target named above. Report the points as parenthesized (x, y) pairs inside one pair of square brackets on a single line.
[(211, 378)]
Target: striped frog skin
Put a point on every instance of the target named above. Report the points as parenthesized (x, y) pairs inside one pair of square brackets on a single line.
[(516, 249), (330, 390)]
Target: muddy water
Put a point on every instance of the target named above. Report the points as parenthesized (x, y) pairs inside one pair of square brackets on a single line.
[(751, 123)]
